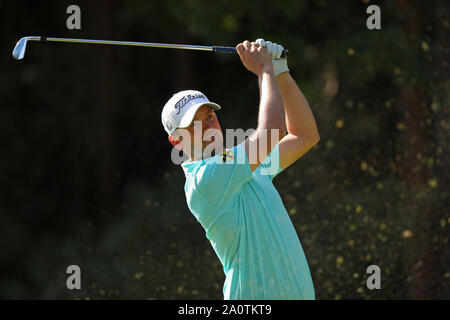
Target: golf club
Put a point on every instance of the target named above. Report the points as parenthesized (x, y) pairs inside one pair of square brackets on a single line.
[(19, 50)]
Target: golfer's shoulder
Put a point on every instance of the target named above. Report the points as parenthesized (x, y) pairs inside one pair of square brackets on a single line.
[(212, 170), (207, 169), (204, 183)]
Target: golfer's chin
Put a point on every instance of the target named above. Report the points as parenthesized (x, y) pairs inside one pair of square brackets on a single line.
[(210, 149)]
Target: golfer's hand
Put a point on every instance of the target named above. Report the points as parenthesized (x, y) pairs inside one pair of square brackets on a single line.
[(255, 57), (275, 50)]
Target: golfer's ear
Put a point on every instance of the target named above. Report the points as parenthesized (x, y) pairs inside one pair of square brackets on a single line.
[(175, 141)]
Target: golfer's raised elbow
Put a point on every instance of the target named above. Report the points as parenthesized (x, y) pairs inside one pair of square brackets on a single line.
[(316, 139)]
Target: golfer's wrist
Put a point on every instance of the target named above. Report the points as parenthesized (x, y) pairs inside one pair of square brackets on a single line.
[(282, 74), (266, 69)]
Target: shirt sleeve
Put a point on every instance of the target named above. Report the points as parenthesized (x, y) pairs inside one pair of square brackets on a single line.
[(271, 166), (221, 177)]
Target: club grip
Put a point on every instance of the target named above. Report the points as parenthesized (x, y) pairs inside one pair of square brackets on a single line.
[(284, 54)]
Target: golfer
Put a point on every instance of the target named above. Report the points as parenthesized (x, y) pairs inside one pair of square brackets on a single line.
[(230, 191)]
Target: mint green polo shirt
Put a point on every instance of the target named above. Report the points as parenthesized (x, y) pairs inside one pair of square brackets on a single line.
[(248, 226)]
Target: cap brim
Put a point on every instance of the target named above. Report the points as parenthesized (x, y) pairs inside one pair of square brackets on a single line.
[(190, 114)]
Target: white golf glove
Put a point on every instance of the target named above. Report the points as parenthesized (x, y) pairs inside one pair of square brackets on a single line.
[(279, 64)]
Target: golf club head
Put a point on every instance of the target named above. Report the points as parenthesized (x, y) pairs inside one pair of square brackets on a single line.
[(19, 50)]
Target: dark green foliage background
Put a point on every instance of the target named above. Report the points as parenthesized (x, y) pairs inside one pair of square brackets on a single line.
[(86, 176)]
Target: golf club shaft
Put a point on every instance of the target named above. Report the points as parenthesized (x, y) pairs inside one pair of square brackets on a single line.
[(220, 49)]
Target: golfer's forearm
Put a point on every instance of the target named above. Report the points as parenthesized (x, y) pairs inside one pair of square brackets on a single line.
[(270, 120), (271, 112), (299, 117)]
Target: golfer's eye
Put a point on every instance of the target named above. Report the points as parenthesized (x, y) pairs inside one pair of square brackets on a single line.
[(209, 117), (195, 123)]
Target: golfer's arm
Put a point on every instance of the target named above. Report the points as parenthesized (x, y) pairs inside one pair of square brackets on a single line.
[(270, 120), (302, 133)]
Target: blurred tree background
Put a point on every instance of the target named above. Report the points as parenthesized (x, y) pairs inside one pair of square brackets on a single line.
[(86, 176)]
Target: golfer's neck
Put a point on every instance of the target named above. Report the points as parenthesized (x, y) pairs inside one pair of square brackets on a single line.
[(195, 157)]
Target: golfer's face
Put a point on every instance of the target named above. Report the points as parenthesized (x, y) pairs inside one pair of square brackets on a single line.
[(206, 125)]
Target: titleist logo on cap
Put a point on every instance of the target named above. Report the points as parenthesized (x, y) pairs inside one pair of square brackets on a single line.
[(183, 101)]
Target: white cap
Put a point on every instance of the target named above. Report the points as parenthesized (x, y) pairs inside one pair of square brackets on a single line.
[(180, 110)]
